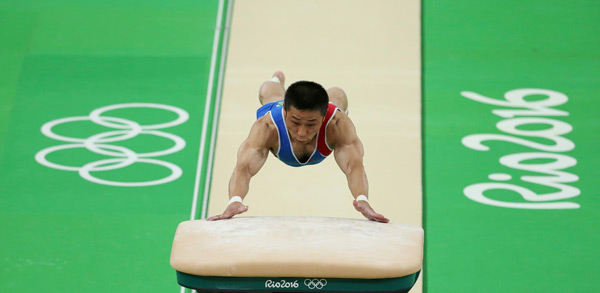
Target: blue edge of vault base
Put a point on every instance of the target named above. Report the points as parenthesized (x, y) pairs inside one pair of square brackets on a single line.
[(265, 284)]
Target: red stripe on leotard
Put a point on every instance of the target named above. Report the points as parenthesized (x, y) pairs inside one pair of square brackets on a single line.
[(321, 143)]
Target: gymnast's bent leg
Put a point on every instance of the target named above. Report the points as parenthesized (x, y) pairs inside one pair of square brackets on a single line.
[(272, 90), (338, 97)]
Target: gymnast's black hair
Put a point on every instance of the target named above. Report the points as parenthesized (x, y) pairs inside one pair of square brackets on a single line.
[(306, 95)]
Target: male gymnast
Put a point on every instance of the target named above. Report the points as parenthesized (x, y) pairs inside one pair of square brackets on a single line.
[(303, 129)]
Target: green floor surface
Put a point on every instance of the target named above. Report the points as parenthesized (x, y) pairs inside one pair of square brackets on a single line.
[(490, 48), (60, 232)]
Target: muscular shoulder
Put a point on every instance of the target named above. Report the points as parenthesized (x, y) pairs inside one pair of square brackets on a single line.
[(340, 130), (264, 132)]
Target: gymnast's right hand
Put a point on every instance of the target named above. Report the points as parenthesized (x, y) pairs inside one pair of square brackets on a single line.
[(235, 208)]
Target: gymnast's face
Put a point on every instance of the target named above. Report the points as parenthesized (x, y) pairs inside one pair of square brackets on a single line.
[(302, 125)]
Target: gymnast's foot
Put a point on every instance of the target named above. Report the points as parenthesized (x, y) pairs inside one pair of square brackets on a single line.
[(281, 77)]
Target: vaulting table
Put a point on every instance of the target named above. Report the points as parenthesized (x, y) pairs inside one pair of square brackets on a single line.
[(297, 254)]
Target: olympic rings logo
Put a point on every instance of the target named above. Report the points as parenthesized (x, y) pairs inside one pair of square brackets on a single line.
[(99, 144), (315, 283)]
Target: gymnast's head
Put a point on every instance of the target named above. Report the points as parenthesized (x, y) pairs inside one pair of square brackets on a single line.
[(305, 105)]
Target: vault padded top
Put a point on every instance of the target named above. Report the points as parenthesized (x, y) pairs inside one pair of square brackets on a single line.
[(297, 247)]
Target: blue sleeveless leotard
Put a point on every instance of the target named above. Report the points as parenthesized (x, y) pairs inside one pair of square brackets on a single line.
[(286, 153)]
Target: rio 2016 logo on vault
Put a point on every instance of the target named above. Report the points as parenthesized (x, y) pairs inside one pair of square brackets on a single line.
[(122, 157), (312, 284)]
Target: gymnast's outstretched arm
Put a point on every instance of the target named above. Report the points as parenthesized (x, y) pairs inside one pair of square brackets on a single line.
[(349, 154), (251, 156)]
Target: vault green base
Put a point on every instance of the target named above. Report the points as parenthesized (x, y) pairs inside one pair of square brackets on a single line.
[(265, 284)]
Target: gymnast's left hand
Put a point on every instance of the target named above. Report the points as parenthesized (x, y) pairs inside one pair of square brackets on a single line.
[(364, 208), (233, 209)]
